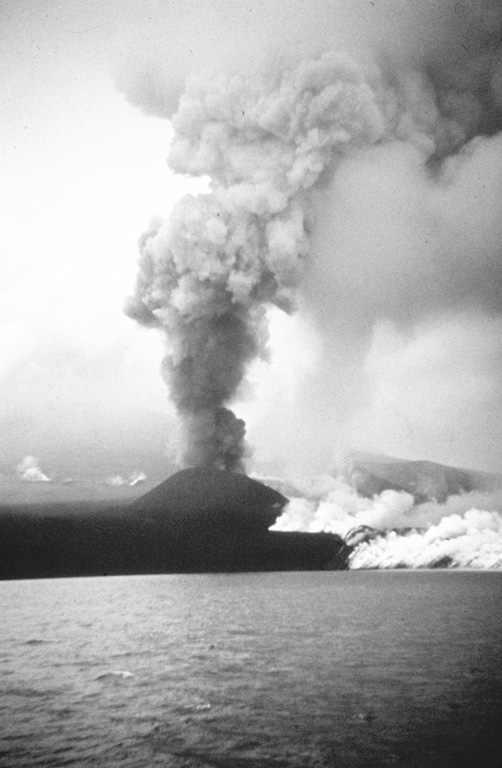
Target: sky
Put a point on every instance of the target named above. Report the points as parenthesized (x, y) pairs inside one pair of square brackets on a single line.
[(387, 337), (82, 173)]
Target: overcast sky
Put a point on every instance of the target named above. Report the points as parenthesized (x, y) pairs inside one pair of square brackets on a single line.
[(395, 345), (82, 173)]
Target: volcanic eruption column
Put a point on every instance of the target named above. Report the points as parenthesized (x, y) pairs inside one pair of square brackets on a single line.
[(209, 273), (269, 141)]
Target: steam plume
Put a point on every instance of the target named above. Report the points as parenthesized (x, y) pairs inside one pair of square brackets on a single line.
[(118, 481), (473, 540), (391, 531), (29, 470)]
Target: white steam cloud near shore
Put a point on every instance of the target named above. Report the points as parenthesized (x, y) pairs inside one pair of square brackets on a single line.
[(356, 182), (473, 540), (463, 532)]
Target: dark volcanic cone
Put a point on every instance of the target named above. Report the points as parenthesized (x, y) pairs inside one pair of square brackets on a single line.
[(204, 495), (216, 520), (219, 521)]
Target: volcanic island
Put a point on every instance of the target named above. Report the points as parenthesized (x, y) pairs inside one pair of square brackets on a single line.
[(198, 520), (207, 520)]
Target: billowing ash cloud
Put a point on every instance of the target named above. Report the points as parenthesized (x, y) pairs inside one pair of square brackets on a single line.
[(29, 471), (361, 189), (208, 274)]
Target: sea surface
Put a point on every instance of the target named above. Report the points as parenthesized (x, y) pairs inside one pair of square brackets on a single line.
[(376, 668)]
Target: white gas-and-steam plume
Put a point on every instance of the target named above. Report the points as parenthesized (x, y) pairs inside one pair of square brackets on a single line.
[(29, 471), (119, 481), (391, 531), (360, 194), (473, 540)]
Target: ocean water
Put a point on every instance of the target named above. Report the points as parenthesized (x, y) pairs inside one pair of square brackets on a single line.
[(399, 668)]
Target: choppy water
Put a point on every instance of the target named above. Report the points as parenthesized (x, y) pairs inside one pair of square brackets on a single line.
[(253, 670)]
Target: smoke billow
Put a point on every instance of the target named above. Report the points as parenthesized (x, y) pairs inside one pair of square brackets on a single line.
[(360, 189)]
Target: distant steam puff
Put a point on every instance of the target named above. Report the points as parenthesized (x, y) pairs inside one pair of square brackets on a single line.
[(28, 470), (118, 481)]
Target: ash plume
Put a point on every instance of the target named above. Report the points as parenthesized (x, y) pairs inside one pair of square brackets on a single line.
[(208, 274), (361, 189)]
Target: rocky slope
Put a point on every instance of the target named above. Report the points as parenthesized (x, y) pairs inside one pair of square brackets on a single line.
[(371, 474)]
